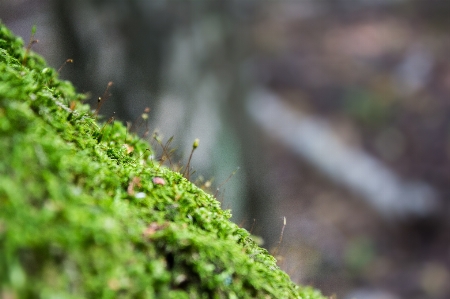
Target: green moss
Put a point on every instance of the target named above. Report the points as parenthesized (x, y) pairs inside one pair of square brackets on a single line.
[(82, 217)]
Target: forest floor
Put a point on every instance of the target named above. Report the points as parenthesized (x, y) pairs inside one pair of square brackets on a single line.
[(381, 78)]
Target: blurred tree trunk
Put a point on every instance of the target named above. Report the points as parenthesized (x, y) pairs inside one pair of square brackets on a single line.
[(186, 61)]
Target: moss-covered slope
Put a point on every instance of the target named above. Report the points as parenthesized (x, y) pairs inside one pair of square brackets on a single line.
[(82, 215)]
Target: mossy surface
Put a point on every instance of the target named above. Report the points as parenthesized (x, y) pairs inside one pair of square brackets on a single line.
[(82, 216)]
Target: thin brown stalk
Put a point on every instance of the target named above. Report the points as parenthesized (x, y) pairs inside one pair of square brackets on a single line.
[(275, 252), (70, 60), (186, 172), (30, 44), (103, 98), (226, 181)]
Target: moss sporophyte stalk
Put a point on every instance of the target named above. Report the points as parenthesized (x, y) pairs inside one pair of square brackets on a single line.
[(86, 213)]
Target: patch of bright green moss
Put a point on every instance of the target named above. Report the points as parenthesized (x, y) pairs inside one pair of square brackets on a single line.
[(81, 215)]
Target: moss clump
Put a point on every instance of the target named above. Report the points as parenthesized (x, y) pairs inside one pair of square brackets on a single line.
[(82, 215)]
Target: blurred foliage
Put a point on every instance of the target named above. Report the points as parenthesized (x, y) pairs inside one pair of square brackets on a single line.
[(366, 108)]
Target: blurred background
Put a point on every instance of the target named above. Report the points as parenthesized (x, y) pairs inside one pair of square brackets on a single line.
[(334, 114)]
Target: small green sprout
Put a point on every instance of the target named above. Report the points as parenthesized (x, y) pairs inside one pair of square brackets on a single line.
[(195, 144)]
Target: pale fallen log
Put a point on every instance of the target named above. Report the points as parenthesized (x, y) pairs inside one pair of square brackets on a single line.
[(313, 139)]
